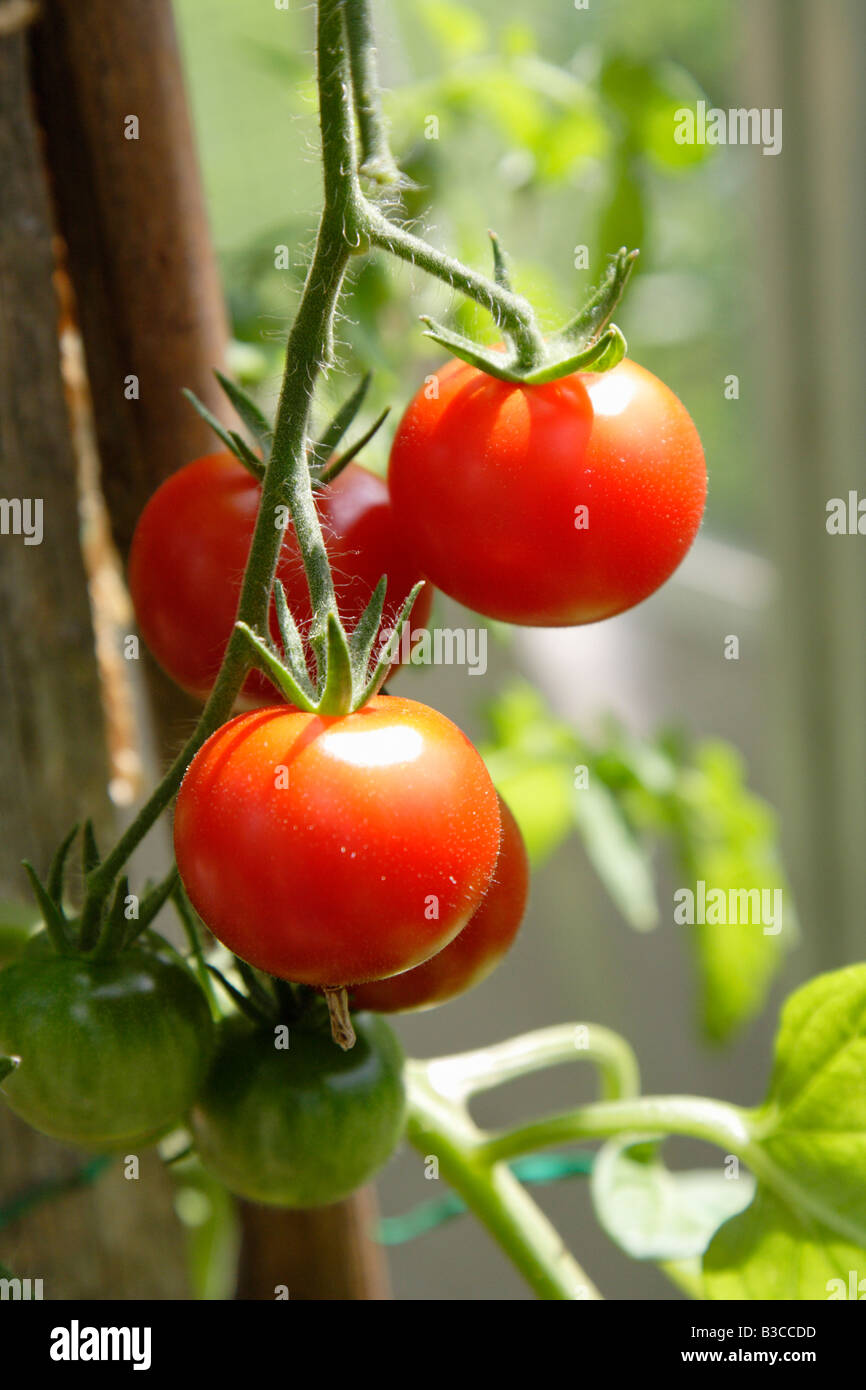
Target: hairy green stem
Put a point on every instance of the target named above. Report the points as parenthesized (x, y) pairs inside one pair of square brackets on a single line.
[(287, 479), (348, 223), (511, 311), (377, 160)]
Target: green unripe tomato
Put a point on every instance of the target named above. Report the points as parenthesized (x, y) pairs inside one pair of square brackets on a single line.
[(110, 1052), (301, 1126)]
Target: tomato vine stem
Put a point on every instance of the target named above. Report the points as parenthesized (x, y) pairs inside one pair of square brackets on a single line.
[(349, 222), (475, 1161), (440, 1125)]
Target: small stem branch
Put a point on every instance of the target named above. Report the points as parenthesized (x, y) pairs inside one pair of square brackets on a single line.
[(511, 311), (310, 345), (377, 160), (716, 1121), (467, 1073)]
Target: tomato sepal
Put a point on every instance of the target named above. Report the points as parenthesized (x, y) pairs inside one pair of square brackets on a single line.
[(276, 670), (235, 444), (249, 412), (587, 342), (600, 356), (338, 690), (334, 431), (386, 660), (596, 312), (336, 466), (53, 915)]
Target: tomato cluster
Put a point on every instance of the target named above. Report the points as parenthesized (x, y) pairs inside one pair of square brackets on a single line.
[(365, 852)]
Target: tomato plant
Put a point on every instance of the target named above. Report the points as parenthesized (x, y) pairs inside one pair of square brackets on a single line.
[(304, 1125), (107, 1052), (191, 545), (548, 505), (335, 850), (475, 951), (350, 840)]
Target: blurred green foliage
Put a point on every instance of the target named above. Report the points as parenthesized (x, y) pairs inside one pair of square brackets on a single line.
[(553, 125), (623, 796)]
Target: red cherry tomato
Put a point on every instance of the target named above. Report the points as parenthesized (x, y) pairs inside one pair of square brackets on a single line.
[(333, 850), (190, 549), (488, 483), (476, 951)]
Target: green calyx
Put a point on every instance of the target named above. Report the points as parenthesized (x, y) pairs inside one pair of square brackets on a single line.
[(105, 928), (588, 342), (350, 669), (268, 1001)]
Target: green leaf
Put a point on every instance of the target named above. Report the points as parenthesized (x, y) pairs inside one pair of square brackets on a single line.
[(539, 796), (816, 1107), (772, 1252), (671, 90), (599, 356), (115, 928), (500, 263), (641, 791), (727, 839), (647, 96), (807, 1224), (654, 1214), (596, 312), (736, 963), (617, 855), (245, 1005), (457, 27), (623, 219), (485, 359)]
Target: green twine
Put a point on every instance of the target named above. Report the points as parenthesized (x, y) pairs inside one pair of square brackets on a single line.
[(532, 1170), (53, 1187)]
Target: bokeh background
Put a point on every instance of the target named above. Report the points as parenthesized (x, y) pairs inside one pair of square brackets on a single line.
[(555, 127)]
